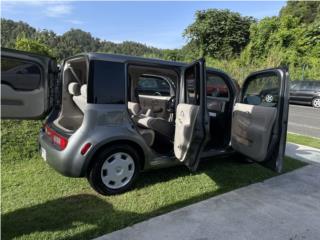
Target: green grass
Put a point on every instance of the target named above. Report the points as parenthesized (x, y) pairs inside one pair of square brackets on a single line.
[(38, 203), (303, 140)]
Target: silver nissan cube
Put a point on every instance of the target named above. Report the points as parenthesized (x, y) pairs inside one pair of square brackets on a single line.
[(109, 117)]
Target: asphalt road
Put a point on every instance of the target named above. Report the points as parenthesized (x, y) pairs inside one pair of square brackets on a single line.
[(304, 120)]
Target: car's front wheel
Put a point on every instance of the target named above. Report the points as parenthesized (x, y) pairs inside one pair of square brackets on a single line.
[(114, 170), (316, 102)]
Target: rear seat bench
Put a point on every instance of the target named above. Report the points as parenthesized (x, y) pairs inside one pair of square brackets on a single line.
[(147, 122)]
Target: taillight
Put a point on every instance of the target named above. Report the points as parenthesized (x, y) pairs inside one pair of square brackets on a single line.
[(56, 138)]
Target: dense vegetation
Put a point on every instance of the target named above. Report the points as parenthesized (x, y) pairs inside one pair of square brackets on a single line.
[(229, 41), (219, 33)]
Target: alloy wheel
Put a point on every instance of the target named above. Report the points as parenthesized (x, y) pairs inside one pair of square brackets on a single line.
[(268, 98), (316, 103)]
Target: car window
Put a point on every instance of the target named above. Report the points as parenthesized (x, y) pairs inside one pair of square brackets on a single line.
[(295, 85), (20, 75), (316, 86), (108, 82), (313, 86), (151, 85), (192, 85), (217, 92), (147, 83), (262, 89), (216, 86), (305, 86)]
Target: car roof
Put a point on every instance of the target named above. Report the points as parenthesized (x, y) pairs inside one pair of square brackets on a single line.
[(126, 58)]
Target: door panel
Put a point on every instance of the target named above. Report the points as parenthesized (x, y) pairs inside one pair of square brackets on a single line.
[(185, 123), (259, 123), (26, 85), (252, 129), (191, 130), (20, 104)]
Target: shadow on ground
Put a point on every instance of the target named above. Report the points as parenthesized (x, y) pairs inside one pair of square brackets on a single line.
[(67, 213), (48, 216)]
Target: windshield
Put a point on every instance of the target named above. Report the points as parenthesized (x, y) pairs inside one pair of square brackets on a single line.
[(305, 86)]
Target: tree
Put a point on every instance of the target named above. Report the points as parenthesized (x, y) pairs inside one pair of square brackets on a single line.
[(11, 31), (34, 46), (71, 42), (306, 11), (76, 41), (219, 33)]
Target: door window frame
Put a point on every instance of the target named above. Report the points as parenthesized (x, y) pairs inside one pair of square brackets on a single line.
[(171, 85), (176, 68), (42, 72), (250, 78)]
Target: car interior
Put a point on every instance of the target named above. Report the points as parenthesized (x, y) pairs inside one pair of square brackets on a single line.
[(152, 107), (151, 104), (74, 94), (220, 100)]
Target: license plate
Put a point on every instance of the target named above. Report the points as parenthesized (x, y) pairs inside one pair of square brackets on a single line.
[(44, 154)]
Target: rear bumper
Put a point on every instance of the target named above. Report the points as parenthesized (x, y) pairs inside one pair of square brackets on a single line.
[(67, 162)]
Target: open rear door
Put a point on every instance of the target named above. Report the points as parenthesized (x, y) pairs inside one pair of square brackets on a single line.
[(27, 84), (191, 116), (260, 117)]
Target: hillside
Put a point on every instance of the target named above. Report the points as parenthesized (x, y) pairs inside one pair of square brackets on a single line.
[(291, 39), (71, 42)]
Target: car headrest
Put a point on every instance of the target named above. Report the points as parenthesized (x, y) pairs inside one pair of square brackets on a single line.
[(83, 90), (74, 88), (134, 108)]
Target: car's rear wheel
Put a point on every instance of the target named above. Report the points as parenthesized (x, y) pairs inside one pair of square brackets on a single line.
[(115, 170), (316, 102), (268, 98)]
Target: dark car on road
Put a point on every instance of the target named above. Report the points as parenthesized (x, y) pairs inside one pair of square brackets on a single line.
[(305, 92)]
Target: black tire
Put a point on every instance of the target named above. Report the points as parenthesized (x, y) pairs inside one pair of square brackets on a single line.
[(315, 102), (94, 173)]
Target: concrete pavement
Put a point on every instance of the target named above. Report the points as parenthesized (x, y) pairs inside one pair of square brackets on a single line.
[(283, 207)]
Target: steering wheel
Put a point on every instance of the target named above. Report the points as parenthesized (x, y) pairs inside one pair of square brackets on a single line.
[(171, 103)]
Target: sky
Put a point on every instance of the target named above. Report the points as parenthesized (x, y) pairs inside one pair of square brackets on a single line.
[(158, 24)]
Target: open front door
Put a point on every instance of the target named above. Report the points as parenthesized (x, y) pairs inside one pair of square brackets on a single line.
[(191, 116), (259, 121), (27, 84)]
